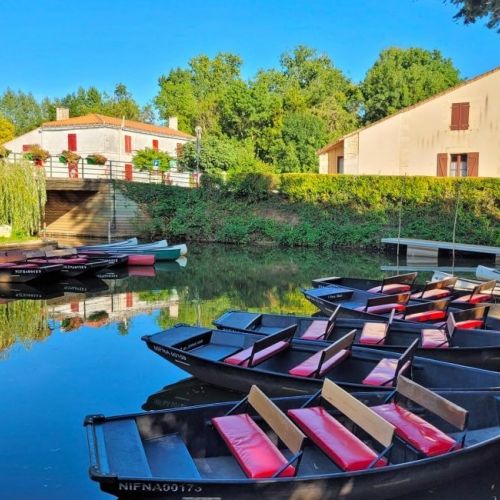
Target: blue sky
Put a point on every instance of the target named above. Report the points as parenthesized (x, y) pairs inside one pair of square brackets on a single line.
[(51, 47)]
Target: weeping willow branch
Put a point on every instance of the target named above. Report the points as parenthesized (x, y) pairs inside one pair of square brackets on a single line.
[(22, 196)]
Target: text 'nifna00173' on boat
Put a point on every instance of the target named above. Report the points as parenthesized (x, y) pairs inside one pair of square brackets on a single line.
[(331, 445), (281, 365)]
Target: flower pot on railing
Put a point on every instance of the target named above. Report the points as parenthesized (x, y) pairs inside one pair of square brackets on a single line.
[(72, 159), (36, 154), (96, 159)]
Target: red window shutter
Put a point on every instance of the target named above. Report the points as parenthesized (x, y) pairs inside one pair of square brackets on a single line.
[(129, 172), (71, 142), (155, 144), (464, 116), (179, 148), (128, 144), (455, 116), (442, 165), (472, 164)]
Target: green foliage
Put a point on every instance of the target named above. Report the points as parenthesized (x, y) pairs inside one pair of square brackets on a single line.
[(22, 110), (69, 157), (402, 77), (145, 158), (22, 196), (471, 10), (96, 159), (324, 211), (4, 152), (35, 152), (7, 130)]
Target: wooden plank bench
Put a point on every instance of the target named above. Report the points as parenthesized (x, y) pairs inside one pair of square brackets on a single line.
[(387, 369), (321, 362), (424, 437), (385, 304), (480, 293), (334, 439), (395, 284), (375, 333), (320, 329), (435, 290), (262, 349), (256, 454), (426, 312)]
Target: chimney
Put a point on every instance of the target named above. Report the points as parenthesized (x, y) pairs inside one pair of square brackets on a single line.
[(62, 114), (172, 122)]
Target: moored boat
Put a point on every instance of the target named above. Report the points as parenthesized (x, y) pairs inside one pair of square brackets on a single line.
[(461, 339), (283, 366), (24, 272), (258, 447), (487, 273), (463, 283)]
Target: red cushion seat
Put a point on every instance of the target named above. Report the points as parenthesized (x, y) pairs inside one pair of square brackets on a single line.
[(242, 358), (316, 330), (433, 315), (373, 334), (434, 294), (391, 288), (433, 338), (475, 299), (309, 367), (384, 372), (470, 323), (252, 448), (382, 308), (422, 435), (340, 444)]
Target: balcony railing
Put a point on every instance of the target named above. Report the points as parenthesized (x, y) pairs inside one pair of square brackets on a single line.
[(112, 170)]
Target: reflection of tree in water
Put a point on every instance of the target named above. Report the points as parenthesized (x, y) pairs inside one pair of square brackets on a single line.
[(24, 321)]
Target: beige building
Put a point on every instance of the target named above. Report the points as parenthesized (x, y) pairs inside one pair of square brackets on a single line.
[(454, 133)]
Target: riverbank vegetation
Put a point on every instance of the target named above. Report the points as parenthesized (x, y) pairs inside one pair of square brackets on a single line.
[(321, 211), (22, 198)]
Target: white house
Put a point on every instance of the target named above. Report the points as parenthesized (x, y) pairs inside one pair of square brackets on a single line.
[(115, 138)]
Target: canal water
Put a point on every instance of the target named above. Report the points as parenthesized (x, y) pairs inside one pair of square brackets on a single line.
[(72, 350)]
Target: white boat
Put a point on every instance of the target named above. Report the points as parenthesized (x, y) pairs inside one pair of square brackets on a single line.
[(463, 283), (487, 273)]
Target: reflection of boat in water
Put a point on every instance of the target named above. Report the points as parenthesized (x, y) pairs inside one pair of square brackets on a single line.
[(83, 285), (127, 272), (188, 392), (29, 291)]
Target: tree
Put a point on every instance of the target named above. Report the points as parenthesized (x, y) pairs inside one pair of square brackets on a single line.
[(22, 110), (147, 158), (7, 130), (402, 77), (471, 10)]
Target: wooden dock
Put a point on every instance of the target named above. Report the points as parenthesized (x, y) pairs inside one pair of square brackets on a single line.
[(426, 249)]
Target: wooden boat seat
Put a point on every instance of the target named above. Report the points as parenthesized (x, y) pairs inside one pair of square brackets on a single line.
[(262, 349), (334, 439), (471, 323), (475, 299), (316, 330), (320, 329), (375, 333), (252, 448), (435, 294), (340, 444), (413, 429), (382, 308), (433, 338), (395, 284), (388, 369), (256, 454), (323, 361), (242, 358), (422, 435), (391, 288), (433, 315)]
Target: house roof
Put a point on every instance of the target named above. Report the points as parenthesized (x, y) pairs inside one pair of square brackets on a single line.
[(96, 120), (331, 145)]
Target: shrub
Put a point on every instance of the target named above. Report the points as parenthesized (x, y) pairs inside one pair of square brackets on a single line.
[(150, 159), (253, 186)]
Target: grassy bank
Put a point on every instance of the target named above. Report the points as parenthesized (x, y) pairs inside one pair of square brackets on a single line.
[(323, 211)]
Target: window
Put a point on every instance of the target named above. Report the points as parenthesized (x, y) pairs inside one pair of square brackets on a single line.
[(460, 116), (71, 142), (155, 144), (178, 149), (340, 164), (461, 165), (128, 144)]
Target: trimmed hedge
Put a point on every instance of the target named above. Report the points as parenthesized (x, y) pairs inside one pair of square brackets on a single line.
[(323, 211)]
